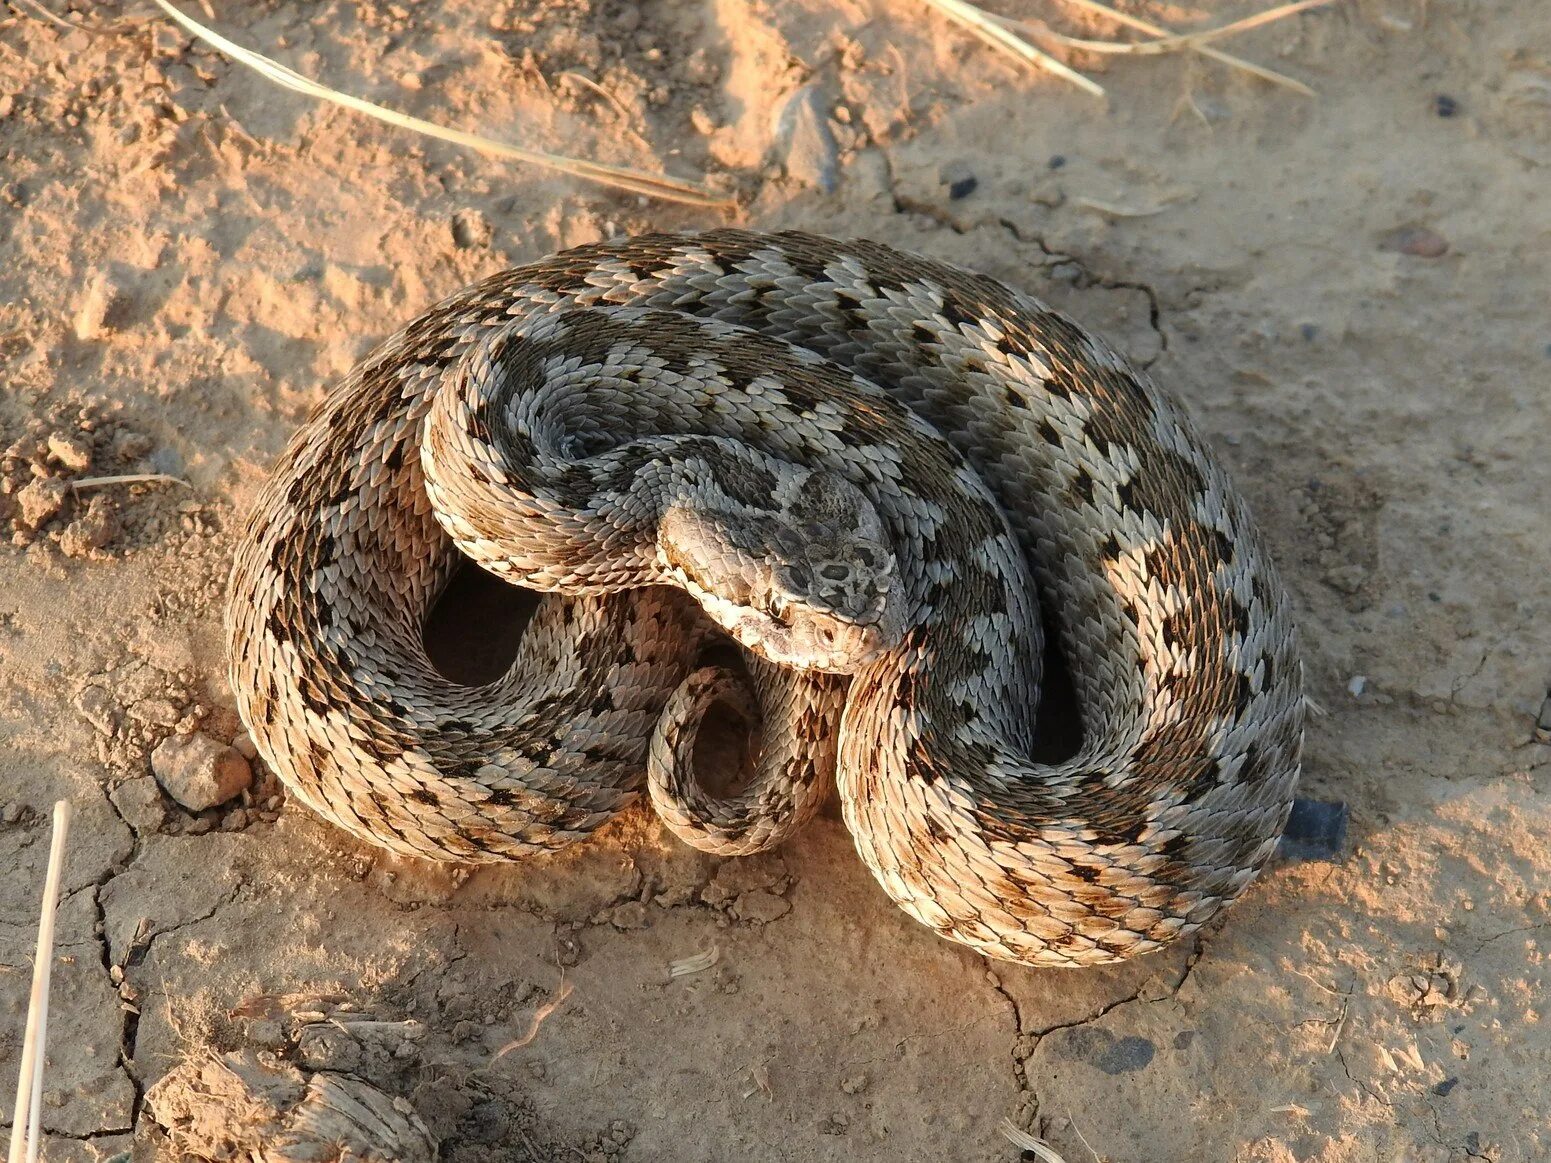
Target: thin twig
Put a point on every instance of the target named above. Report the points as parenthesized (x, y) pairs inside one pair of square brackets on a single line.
[(1335, 1034), (540, 1015), (636, 181), (57, 21), (26, 1123), (992, 31)]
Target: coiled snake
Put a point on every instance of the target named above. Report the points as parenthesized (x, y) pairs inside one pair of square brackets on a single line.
[(854, 460)]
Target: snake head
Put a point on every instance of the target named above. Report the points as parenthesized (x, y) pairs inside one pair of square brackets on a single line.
[(807, 580)]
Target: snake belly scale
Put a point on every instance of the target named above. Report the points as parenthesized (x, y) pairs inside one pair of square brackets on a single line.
[(853, 460)]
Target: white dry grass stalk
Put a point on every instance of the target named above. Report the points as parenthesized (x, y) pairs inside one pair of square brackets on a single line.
[(1024, 1141), (999, 32), (1116, 210), (699, 963), (994, 31), (26, 1123), (1222, 58), (1168, 44), (620, 177), (128, 478)]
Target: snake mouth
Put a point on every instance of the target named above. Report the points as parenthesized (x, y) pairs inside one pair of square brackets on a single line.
[(812, 643), (792, 634)]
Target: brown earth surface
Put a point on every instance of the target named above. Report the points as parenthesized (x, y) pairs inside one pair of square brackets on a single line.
[(1349, 292)]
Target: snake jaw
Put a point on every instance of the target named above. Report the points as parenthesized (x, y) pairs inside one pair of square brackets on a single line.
[(790, 633)]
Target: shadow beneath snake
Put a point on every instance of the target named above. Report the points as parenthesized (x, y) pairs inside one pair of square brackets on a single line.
[(475, 629)]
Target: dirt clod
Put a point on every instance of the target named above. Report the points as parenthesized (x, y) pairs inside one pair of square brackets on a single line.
[(199, 772)]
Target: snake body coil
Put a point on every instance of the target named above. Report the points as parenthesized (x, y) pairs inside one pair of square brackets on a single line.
[(855, 461)]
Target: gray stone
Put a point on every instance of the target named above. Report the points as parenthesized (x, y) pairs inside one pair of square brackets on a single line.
[(139, 801), (805, 142)]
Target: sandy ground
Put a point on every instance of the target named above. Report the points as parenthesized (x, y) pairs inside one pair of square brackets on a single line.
[(189, 256)]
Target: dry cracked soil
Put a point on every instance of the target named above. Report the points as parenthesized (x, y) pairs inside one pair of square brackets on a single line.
[(1349, 293)]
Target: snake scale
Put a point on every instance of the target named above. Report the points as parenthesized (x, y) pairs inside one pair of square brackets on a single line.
[(881, 477)]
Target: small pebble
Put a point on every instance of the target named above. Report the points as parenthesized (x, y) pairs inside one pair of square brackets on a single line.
[(1057, 161), (244, 746), (470, 229), (1443, 1088), (1356, 685), (1417, 241), (70, 451), (960, 180), (199, 772), (12, 813), (94, 316), (40, 501), (805, 142), (1445, 106), (1308, 331)]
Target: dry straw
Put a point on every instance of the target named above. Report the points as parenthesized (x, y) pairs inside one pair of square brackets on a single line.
[(26, 1123), (636, 181), (1024, 1141), (999, 32)]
